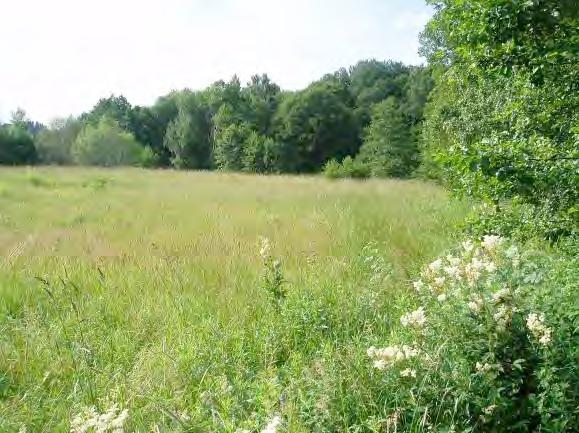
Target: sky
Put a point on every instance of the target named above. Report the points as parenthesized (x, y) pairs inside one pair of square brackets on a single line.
[(59, 57)]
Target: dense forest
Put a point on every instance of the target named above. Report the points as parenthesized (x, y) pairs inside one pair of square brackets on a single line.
[(372, 111)]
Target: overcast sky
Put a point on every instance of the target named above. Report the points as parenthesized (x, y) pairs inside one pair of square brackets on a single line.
[(60, 56)]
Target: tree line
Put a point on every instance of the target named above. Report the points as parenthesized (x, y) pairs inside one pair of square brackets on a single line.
[(361, 120)]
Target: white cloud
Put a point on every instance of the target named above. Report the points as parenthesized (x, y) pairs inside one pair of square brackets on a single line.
[(61, 56)]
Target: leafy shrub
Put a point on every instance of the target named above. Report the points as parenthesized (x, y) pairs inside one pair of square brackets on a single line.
[(273, 281), (502, 122), (16, 146), (54, 144), (492, 344), (106, 144), (349, 167)]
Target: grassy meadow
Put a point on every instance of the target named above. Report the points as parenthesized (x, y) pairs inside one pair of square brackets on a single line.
[(145, 290)]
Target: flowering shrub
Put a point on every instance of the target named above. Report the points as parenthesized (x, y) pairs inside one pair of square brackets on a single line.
[(91, 421), (483, 351)]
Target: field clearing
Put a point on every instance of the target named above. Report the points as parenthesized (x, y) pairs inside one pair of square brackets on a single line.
[(144, 288)]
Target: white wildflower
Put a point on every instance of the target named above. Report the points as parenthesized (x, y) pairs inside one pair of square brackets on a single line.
[(415, 318), (265, 249), (22, 429), (468, 245), (501, 295), (272, 425), (536, 324), (439, 282), (386, 356), (452, 272), (476, 304), (379, 364), (441, 297), (545, 340), (491, 242), (409, 372), (478, 264), (453, 261), (512, 252), (490, 267), (483, 368), (489, 409), (111, 421), (436, 265), (410, 352), (472, 274), (418, 285), (503, 317)]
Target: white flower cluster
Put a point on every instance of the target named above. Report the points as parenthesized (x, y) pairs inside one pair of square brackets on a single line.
[(537, 327), (491, 243), (272, 425), (415, 319), (265, 250), (503, 317), (486, 367), (385, 357), (471, 266), (110, 421), (476, 303)]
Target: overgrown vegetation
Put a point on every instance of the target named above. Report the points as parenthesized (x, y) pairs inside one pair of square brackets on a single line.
[(136, 300), (203, 301), (503, 121)]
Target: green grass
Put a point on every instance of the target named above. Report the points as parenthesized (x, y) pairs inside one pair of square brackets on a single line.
[(145, 288)]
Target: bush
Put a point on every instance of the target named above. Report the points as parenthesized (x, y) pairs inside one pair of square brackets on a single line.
[(106, 144), (502, 121), (349, 167), (16, 146), (54, 144), (492, 344)]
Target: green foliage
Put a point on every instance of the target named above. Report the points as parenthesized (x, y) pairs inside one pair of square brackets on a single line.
[(373, 81), (16, 146), (492, 347), (259, 154), (389, 148), (188, 134), (54, 143), (349, 167), (254, 127), (503, 120), (272, 278), (315, 125), (263, 99), (229, 139), (155, 296), (106, 144)]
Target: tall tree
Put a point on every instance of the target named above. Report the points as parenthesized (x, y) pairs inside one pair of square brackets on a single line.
[(389, 148), (54, 143), (16, 145), (188, 134), (315, 125)]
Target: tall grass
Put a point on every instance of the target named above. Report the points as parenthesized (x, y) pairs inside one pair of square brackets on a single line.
[(146, 289)]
